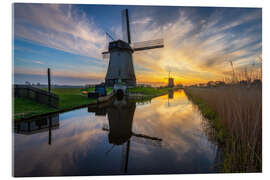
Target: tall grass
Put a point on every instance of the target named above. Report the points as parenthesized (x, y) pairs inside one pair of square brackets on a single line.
[(247, 73), (239, 110)]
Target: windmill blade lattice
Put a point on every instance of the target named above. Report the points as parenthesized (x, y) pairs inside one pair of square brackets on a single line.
[(152, 44)]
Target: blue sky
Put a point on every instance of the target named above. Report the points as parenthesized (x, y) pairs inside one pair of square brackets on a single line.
[(199, 42)]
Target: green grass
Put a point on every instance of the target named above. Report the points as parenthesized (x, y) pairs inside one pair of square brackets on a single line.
[(71, 97), (68, 98), (222, 135), (92, 89), (27, 108), (148, 90), (212, 116)]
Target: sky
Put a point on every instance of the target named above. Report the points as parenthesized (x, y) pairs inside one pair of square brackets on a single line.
[(199, 42)]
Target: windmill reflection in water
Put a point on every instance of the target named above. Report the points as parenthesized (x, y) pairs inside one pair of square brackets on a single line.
[(120, 115)]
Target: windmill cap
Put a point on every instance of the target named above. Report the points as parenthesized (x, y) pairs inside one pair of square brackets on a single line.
[(119, 45)]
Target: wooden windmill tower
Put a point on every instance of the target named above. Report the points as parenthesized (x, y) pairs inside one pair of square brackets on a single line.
[(120, 55)]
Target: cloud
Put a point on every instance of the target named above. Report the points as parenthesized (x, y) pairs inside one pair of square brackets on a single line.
[(142, 21), (60, 73), (38, 62), (30, 61), (60, 27)]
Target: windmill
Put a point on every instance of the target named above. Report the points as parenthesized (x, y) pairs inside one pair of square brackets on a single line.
[(120, 55), (170, 80)]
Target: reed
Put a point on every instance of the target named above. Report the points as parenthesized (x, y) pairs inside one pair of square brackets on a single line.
[(239, 109)]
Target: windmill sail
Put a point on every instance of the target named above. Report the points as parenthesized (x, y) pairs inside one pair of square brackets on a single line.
[(126, 26), (152, 44), (105, 55), (148, 141)]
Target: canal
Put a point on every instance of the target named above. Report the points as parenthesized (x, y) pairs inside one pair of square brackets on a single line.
[(165, 135)]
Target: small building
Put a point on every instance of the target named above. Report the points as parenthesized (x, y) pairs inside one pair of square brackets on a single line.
[(101, 89)]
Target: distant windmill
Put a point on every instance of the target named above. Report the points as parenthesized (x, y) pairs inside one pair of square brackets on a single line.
[(120, 54), (170, 80)]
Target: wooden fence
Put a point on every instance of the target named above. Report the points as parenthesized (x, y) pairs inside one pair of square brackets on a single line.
[(38, 95)]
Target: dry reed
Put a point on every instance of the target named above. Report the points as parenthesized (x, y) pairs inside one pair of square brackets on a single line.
[(240, 111)]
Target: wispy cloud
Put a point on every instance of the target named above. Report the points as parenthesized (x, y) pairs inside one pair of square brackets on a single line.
[(38, 62), (59, 27), (31, 61)]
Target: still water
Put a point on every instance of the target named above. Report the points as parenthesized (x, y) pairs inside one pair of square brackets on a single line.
[(162, 136)]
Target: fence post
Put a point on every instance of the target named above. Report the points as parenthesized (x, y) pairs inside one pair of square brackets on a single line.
[(49, 86), (49, 80)]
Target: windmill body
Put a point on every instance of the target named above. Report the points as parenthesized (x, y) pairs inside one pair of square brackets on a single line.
[(171, 82), (120, 55), (120, 64)]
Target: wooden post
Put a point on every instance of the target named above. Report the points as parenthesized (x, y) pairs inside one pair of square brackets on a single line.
[(49, 80), (50, 131), (49, 86)]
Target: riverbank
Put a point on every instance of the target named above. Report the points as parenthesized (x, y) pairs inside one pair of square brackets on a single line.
[(142, 93), (236, 115), (69, 98), (73, 98)]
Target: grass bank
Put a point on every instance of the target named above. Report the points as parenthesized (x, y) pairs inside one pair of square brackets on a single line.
[(68, 98), (92, 89), (148, 91), (236, 115), (24, 108)]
